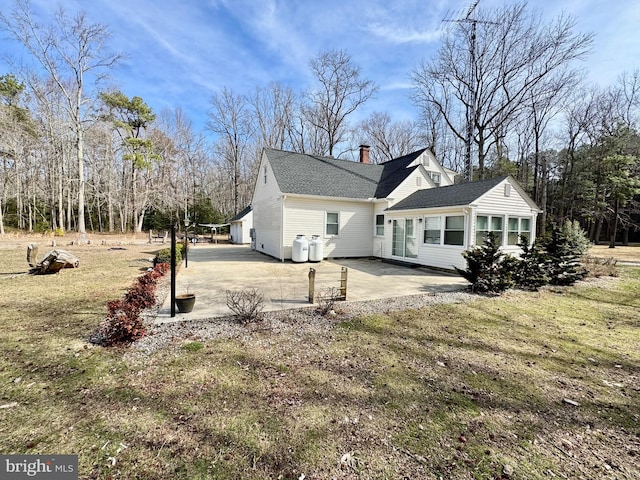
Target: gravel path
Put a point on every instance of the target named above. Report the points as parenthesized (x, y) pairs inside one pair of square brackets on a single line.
[(299, 322)]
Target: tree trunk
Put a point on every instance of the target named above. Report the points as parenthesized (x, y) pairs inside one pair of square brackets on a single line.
[(598, 230), (82, 232), (69, 215), (61, 195), (543, 195), (1, 218), (614, 229)]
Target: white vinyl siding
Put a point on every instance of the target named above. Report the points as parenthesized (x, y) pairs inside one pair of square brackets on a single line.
[(407, 187), (240, 229), (495, 203), (267, 214), (443, 226), (307, 216)]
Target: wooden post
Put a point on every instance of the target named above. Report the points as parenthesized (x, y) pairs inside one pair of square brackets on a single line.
[(312, 285), (343, 283), (150, 236)]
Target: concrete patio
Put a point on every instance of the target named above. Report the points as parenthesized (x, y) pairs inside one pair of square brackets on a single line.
[(214, 269)]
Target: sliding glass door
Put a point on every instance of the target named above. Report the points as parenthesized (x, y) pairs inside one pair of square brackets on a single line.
[(404, 242)]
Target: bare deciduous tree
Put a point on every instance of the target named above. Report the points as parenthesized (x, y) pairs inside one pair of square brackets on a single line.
[(338, 92), (273, 110), (488, 67), (230, 118), (69, 50), (389, 140)]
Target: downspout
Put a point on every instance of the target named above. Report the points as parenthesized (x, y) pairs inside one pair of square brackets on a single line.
[(283, 198)]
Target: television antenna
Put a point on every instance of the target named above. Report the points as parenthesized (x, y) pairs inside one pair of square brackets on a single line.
[(473, 93)]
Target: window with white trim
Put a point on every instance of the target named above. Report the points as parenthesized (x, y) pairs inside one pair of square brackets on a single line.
[(332, 224), (516, 227), (435, 177), (454, 230), (432, 232), (486, 224), (265, 174), (443, 230), (379, 225)]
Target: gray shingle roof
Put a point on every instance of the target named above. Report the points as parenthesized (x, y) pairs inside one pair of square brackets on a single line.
[(324, 176), (453, 195), (394, 172), (240, 215)]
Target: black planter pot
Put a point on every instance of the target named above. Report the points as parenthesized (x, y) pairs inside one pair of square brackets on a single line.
[(185, 302)]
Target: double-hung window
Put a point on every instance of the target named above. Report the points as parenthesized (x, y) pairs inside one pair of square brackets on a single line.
[(432, 231), (454, 230), (443, 230), (332, 224), (379, 225)]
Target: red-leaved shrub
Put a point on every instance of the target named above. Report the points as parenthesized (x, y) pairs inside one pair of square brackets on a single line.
[(123, 323)]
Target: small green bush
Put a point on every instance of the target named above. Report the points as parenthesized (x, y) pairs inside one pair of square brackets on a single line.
[(575, 238), (531, 271), (164, 255), (554, 259), (563, 248), (488, 269)]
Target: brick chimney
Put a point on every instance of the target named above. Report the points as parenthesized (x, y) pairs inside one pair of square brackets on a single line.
[(364, 153)]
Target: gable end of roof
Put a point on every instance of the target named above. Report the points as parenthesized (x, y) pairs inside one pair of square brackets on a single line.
[(450, 196)]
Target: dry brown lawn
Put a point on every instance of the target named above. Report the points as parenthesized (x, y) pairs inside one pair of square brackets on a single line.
[(524, 386), (630, 253)]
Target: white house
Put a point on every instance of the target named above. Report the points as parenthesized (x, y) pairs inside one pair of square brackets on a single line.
[(241, 226), (406, 209)]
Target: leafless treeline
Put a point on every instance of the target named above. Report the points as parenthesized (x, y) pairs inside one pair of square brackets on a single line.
[(504, 94)]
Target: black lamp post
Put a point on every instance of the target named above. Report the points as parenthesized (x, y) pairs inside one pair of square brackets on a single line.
[(186, 242)]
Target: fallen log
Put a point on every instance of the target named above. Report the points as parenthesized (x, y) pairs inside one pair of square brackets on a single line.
[(55, 261)]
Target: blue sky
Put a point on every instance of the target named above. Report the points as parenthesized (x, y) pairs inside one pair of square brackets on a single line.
[(179, 52)]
